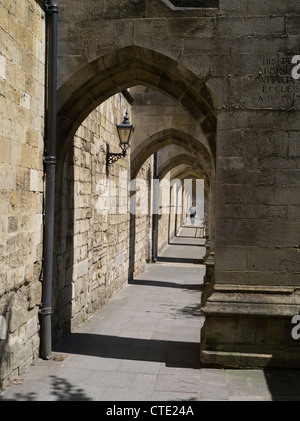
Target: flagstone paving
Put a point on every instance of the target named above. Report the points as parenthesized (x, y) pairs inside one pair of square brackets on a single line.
[(144, 346)]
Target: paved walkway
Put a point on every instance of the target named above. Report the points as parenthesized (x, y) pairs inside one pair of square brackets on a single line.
[(144, 346)]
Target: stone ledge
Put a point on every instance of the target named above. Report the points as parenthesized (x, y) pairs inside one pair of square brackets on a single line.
[(244, 340), (256, 300), (192, 4), (255, 288), (165, 8), (248, 360), (249, 309), (234, 359)]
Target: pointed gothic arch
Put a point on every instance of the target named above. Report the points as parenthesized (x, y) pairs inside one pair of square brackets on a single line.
[(127, 67)]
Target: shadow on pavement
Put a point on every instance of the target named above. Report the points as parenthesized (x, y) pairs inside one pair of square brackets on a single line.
[(165, 284), (179, 260), (60, 390), (172, 353), (284, 385)]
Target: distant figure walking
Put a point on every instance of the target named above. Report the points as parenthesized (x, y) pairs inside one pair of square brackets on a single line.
[(193, 212)]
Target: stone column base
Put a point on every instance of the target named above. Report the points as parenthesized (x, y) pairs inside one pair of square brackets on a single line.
[(249, 327)]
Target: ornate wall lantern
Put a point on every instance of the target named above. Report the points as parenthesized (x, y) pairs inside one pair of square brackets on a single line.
[(125, 131)]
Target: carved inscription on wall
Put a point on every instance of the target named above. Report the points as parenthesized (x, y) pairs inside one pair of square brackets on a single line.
[(277, 87)]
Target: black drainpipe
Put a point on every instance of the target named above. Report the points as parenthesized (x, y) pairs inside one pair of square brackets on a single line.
[(155, 215), (51, 9)]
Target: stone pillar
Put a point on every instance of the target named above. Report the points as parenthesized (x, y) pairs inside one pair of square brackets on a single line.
[(209, 259), (250, 304)]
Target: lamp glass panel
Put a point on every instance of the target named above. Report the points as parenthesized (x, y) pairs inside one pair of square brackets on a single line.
[(124, 134)]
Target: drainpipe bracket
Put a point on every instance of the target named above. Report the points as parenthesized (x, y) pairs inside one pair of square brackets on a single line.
[(52, 7), (49, 159), (45, 311)]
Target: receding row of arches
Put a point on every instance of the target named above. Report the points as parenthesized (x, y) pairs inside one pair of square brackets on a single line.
[(174, 114)]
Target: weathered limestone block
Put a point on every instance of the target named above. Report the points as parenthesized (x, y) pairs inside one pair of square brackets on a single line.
[(97, 240), (22, 72), (249, 326)]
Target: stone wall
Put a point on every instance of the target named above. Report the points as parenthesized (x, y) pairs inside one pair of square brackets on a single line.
[(22, 70), (164, 214), (227, 71), (100, 245), (141, 242)]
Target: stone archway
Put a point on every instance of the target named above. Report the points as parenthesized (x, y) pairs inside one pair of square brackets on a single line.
[(187, 186), (124, 68), (169, 137), (193, 152), (118, 71), (186, 159)]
